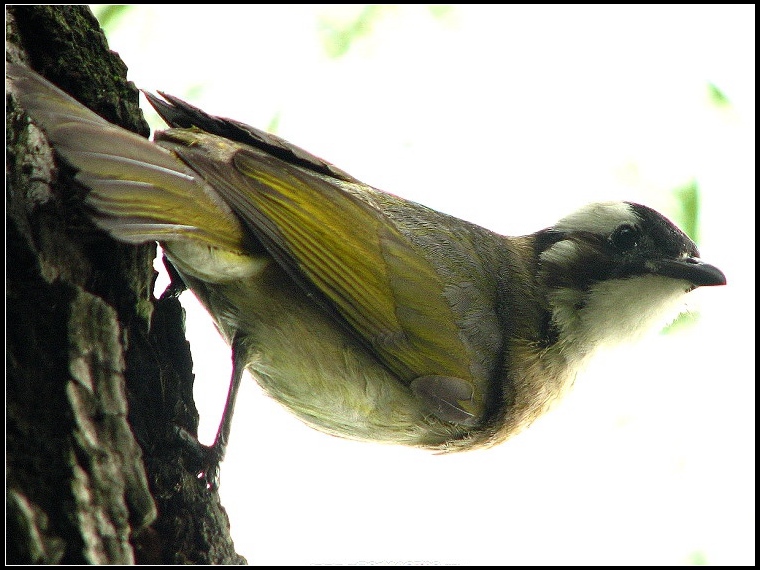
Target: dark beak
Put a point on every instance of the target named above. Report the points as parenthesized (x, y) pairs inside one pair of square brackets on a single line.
[(690, 269)]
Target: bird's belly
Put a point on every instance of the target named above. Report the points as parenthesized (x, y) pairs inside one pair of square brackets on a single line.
[(304, 359)]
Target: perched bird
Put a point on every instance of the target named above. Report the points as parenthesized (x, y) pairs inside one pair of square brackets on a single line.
[(369, 316)]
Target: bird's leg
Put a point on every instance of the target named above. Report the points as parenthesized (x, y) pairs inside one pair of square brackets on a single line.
[(209, 457)]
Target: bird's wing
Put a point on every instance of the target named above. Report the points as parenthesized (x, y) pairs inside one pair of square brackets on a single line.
[(334, 239)]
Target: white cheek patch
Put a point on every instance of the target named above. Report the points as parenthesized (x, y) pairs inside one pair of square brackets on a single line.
[(601, 218)]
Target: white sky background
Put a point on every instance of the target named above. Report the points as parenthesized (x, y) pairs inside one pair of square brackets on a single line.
[(509, 117)]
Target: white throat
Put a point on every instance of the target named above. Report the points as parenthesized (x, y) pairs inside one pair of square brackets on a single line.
[(616, 310)]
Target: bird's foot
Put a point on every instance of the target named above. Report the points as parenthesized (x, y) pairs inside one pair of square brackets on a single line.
[(203, 460)]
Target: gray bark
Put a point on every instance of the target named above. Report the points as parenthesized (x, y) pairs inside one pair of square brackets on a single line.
[(99, 374)]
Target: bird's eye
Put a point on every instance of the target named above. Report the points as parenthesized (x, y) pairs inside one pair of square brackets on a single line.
[(625, 237)]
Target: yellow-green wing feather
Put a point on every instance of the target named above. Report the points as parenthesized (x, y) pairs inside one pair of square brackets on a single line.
[(330, 232)]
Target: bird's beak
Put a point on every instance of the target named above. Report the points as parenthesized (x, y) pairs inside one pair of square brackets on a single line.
[(691, 269)]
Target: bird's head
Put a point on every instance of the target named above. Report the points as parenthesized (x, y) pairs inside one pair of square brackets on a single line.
[(612, 271)]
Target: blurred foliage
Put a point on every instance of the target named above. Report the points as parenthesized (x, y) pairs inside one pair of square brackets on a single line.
[(686, 216), (440, 11), (341, 28), (274, 124), (682, 322), (698, 558), (109, 15), (338, 34), (717, 97)]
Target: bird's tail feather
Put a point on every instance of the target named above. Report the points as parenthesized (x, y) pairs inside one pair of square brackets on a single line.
[(139, 191)]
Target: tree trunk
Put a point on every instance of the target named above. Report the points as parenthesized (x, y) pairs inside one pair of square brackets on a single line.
[(99, 374)]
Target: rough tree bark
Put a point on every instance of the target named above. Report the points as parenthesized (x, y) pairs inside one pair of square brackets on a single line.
[(98, 371)]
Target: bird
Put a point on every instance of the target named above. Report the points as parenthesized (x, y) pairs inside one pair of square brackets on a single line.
[(369, 316)]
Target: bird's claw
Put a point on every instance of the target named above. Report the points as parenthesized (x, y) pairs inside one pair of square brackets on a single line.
[(203, 459)]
